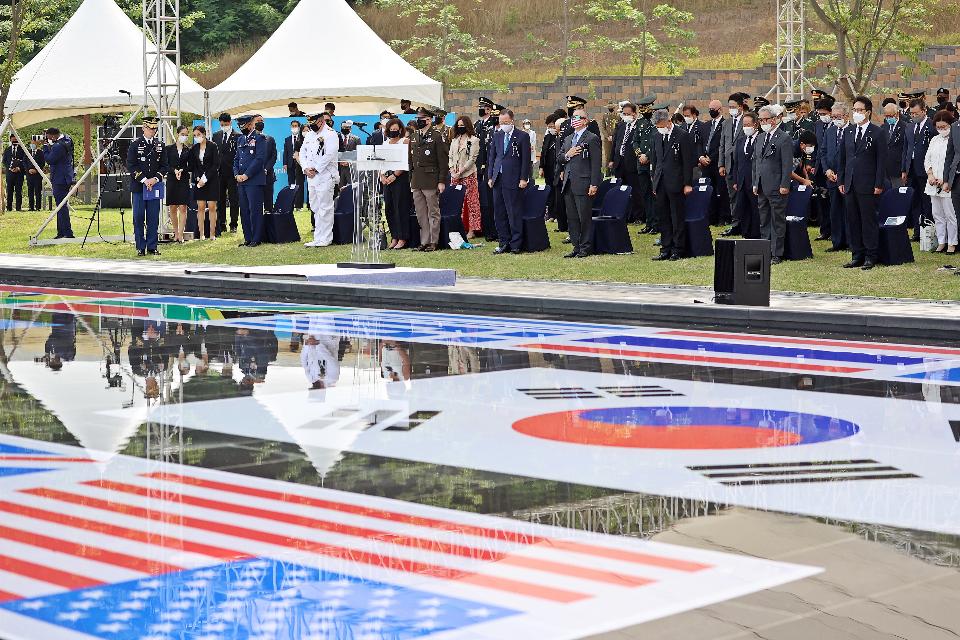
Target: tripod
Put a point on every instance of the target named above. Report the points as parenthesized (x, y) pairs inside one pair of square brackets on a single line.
[(112, 162)]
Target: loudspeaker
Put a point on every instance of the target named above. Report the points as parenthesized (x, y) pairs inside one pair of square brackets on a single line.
[(741, 272), (114, 192)]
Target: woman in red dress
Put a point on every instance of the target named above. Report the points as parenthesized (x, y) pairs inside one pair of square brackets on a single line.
[(464, 149)]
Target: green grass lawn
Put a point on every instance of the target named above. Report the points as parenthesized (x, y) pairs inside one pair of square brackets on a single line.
[(821, 274)]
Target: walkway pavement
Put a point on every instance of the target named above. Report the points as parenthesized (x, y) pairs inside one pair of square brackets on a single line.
[(596, 301)]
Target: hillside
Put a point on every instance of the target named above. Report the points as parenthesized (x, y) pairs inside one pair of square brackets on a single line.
[(730, 34)]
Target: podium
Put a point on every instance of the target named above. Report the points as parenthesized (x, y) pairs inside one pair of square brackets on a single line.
[(366, 164)]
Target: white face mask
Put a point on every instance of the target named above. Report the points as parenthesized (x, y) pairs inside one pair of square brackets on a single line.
[(859, 118), (627, 118), (789, 117), (225, 127), (295, 130), (838, 123), (749, 131), (944, 132), (810, 150), (507, 128), (181, 139), (767, 127), (825, 119), (734, 112), (663, 131), (688, 119), (526, 125)]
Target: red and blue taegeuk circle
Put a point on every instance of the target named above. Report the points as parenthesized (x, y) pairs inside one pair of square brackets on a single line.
[(681, 427)]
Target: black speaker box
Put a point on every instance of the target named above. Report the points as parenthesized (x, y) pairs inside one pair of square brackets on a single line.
[(114, 192), (741, 273)]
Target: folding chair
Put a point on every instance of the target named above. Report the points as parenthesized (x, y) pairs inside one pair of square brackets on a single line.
[(281, 225), (697, 221), (610, 234), (602, 189), (343, 216), (796, 242), (893, 214), (535, 236), (451, 214)]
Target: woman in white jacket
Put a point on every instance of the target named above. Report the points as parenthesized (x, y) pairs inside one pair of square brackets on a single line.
[(464, 149), (944, 217)]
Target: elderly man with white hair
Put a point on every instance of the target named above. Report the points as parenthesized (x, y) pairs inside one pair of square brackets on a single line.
[(772, 165)]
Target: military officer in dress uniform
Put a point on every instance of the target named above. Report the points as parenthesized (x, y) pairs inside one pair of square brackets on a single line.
[(249, 169), (574, 103), (608, 127), (147, 165), (15, 164), (643, 138), (441, 127), (318, 157), (789, 124), (806, 119), (59, 155), (484, 127), (428, 174)]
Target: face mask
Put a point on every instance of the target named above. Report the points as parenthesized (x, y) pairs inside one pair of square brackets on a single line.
[(225, 127), (663, 131), (481, 112), (315, 127), (688, 119), (714, 113), (733, 111), (767, 127), (749, 131), (810, 150), (384, 121), (460, 129), (944, 132), (859, 118), (916, 119), (423, 122), (295, 130), (258, 126), (199, 137), (892, 120), (941, 100), (526, 125), (789, 117), (507, 128), (626, 118), (838, 123), (181, 139), (345, 130), (33, 146), (393, 133), (825, 119)]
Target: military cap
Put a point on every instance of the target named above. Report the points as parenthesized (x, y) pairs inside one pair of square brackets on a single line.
[(244, 120), (441, 112), (575, 101), (485, 102), (792, 105), (662, 105), (423, 111), (150, 121), (646, 101), (824, 104), (312, 118), (760, 101), (904, 95), (943, 90), (820, 94)]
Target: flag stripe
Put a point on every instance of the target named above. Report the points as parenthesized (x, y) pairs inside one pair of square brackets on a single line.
[(433, 523), (772, 465), (804, 480), (46, 574), (6, 595), (87, 552), (334, 551), (42, 459), (816, 341), (584, 573), (686, 357), (169, 542)]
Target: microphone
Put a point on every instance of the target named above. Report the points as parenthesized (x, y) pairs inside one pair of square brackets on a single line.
[(124, 91), (360, 125)]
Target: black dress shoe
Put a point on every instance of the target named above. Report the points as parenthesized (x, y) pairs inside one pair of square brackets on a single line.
[(853, 264), (567, 241), (832, 249), (675, 256), (818, 238), (430, 248), (915, 239), (499, 251), (868, 265), (253, 244), (776, 260), (70, 235), (57, 237), (583, 254), (662, 256), (572, 254), (141, 252), (153, 252), (242, 244), (732, 231), (515, 252)]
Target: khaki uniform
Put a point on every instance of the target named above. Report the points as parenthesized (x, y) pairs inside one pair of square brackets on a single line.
[(429, 166), (608, 125)]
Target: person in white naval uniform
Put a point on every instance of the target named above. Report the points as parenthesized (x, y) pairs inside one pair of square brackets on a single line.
[(318, 157), (319, 360)]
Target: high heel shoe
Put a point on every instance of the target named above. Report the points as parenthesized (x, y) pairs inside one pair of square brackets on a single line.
[(951, 250), (940, 248), (401, 245)]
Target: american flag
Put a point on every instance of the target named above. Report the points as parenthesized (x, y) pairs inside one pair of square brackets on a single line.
[(135, 550)]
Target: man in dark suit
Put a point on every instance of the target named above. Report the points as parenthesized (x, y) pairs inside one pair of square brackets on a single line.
[(34, 177), (951, 167), (508, 173), (729, 132), (772, 165), (747, 215), (673, 162), (580, 157), (15, 164), (226, 141), (348, 142), (919, 132), (269, 166), (896, 135), (623, 160), (549, 170), (291, 161), (693, 126), (829, 166), (709, 160), (862, 176)]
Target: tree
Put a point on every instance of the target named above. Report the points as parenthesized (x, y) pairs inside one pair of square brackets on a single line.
[(864, 30), (660, 36), (565, 53), (439, 47)]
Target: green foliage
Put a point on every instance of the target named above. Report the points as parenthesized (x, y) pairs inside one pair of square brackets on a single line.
[(439, 47), (862, 32), (659, 37)]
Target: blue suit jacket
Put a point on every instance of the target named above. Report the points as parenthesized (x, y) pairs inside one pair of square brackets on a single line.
[(514, 164), (863, 165), (251, 159), (915, 147), (830, 154), (59, 156)]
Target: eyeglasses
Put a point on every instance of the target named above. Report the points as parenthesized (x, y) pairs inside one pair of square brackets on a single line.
[(772, 119), (859, 110)]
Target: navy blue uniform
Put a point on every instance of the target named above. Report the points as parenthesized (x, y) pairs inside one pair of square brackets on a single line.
[(250, 161), (145, 160), (59, 155), (15, 164)]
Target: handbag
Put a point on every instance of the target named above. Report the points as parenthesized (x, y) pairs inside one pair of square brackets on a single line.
[(928, 238)]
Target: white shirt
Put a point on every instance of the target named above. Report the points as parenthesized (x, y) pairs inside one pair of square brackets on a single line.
[(934, 161), (319, 361), (533, 142), (322, 159)]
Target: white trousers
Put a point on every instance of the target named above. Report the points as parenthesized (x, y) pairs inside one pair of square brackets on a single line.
[(945, 219), (321, 203)]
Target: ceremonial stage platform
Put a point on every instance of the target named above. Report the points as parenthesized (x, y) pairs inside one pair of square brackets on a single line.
[(441, 290)]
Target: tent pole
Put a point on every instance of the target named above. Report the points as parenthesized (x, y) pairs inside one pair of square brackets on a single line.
[(86, 174), (3, 127)]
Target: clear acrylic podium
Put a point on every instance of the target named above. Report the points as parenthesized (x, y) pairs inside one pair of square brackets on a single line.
[(366, 164)]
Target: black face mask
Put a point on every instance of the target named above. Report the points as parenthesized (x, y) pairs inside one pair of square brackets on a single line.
[(258, 126), (714, 113), (482, 112), (393, 133), (460, 129), (941, 100), (570, 111), (345, 130), (315, 127), (423, 122)]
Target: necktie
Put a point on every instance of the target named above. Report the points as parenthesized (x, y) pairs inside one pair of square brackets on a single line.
[(839, 136), (626, 136), (916, 130), (766, 143), (506, 143), (750, 145), (859, 136)]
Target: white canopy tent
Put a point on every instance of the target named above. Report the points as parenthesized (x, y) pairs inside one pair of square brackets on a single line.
[(84, 67), (358, 71)]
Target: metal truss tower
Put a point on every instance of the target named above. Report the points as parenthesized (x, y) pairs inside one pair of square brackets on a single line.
[(791, 49), (161, 63)]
